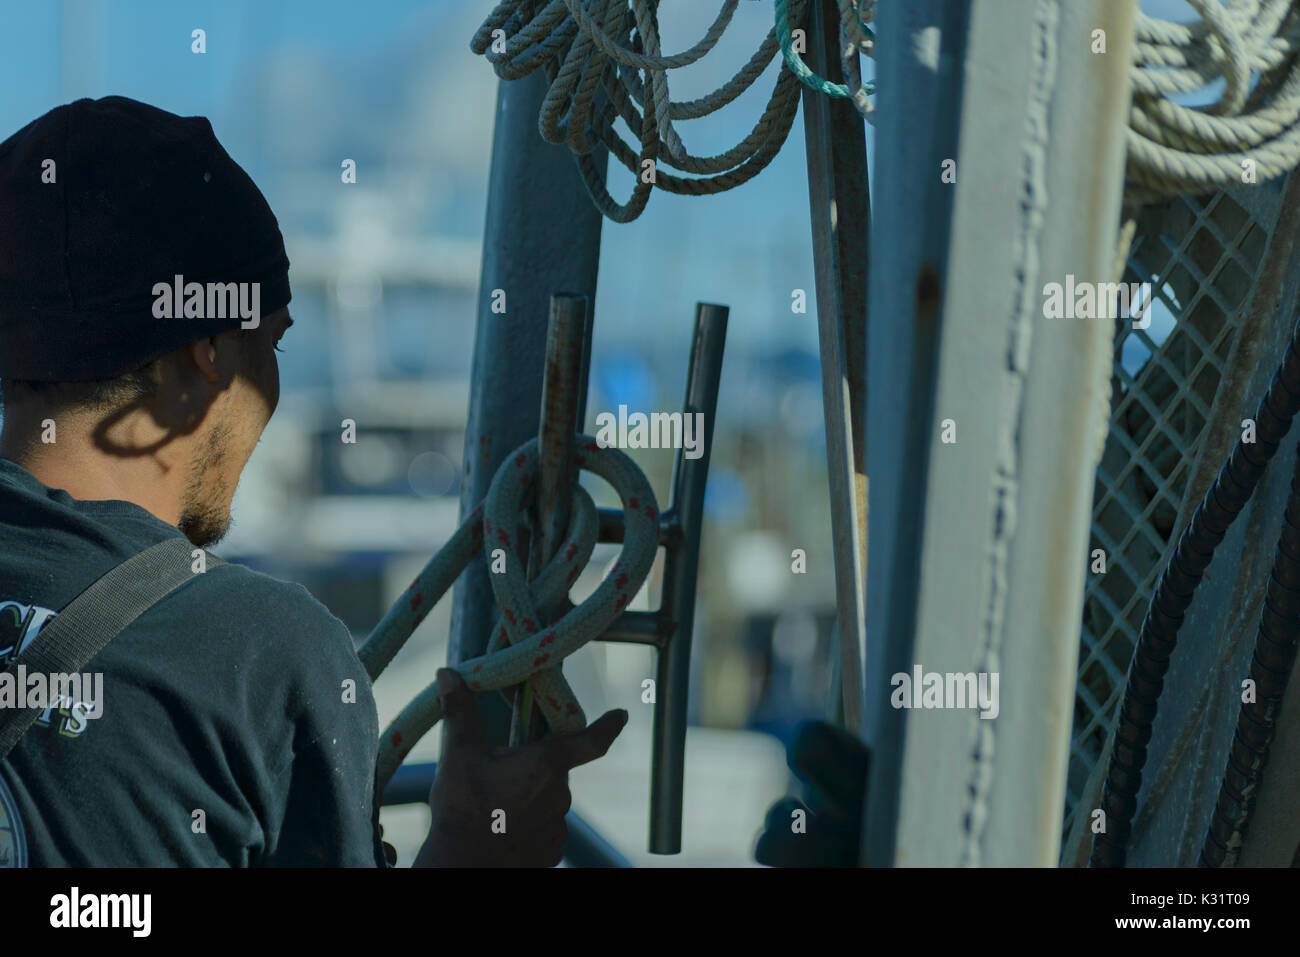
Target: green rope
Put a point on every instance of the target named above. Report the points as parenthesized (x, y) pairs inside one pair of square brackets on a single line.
[(801, 70)]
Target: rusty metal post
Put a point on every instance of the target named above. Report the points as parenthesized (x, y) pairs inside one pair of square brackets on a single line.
[(563, 389)]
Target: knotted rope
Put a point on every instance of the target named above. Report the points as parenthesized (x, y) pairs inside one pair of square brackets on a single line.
[(1176, 149), (522, 648), (582, 46)]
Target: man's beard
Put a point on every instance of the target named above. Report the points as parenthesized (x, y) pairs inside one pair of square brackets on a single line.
[(205, 510)]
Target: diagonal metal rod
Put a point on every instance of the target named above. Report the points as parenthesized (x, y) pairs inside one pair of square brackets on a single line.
[(839, 200)]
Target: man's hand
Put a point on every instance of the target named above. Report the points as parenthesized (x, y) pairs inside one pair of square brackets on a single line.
[(834, 765), (529, 784)]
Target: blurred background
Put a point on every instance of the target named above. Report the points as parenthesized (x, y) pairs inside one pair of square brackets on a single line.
[(385, 279)]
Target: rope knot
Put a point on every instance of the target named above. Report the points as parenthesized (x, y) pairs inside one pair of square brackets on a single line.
[(520, 650)]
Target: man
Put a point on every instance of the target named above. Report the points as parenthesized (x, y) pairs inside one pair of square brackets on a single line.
[(143, 293)]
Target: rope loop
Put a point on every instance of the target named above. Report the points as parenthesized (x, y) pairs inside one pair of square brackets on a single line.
[(1250, 134), (521, 648), (603, 61)]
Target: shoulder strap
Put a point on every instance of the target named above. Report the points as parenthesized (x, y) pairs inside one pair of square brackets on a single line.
[(95, 617)]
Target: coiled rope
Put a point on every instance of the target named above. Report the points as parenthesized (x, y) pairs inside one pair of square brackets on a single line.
[(592, 51), (522, 649), (591, 47), (1174, 149)]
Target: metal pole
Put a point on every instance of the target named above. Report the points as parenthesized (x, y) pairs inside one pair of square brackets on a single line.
[(542, 234), (668, 747), (841, 218), (562, 390), (910, 242)]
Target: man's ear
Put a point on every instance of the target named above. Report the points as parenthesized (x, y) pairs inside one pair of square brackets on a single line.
[(203, 354)]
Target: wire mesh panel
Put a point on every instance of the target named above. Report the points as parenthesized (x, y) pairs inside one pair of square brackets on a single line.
[(1201, 256)]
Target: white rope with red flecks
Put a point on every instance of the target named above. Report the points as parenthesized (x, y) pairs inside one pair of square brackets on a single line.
[(522, 649)]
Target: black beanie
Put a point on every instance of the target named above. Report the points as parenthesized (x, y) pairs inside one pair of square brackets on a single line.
[(139, 196)]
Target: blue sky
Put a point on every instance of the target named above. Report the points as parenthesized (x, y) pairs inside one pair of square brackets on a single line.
[(394, 81), (397, 79)]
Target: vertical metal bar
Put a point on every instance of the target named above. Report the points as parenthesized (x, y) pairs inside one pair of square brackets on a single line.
[(668, 747), (918, 56), (542, 234), (561, 390), (584, 374), (839, 198)]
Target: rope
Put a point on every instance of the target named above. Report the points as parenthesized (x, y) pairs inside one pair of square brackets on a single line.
[(1270, 669), (522, 649), (856, 38), (1223, 502), (591, 52), (1175, 149)]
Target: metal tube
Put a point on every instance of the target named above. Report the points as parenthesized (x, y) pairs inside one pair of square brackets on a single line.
[(611, 527), (562, 386), (639, 628), (911, 227), (561, 389), (584, 369), (535, 241), (841, 215), (668, 748)]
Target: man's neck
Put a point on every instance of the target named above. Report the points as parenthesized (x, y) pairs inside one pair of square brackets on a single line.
[(119, 465)]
